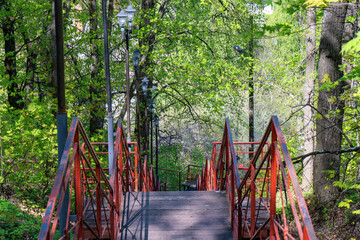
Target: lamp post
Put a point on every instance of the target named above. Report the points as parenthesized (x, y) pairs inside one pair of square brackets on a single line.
[(156, 121), (124, 17), (151, 108), (144, 86), (61, 114), (108, 89)]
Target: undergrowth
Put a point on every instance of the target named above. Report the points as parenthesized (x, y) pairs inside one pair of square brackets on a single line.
[(338, 220), (16, 224)]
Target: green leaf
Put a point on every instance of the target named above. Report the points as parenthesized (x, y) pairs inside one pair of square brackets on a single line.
[(345, 203)]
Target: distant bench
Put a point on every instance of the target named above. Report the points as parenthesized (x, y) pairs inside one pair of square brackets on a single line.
[(190, 181)]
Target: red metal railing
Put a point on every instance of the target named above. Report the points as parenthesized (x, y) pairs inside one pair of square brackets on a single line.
[(242, 152), (95, 200), (266, 202)]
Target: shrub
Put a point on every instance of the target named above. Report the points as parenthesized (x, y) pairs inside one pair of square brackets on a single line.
[(15, 224)]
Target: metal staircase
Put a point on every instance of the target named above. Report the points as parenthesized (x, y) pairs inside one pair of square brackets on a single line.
[(236, 198)]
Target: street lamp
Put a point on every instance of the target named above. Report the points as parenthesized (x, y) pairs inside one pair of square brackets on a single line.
[(136, 59), (130, 15), (124, 17), (144, 85)]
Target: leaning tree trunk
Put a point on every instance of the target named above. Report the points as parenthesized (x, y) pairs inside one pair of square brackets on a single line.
[(330, 105), (308, 92)]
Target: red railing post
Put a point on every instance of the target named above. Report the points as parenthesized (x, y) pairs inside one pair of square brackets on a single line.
[(98, 199), (208, 175), (136, 168), (239, 191), (78, 188), (213, 166), (273, 182), (253, 199), (232, 200), (117, 198)]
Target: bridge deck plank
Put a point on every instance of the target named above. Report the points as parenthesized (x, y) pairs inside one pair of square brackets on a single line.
[(175, 215)]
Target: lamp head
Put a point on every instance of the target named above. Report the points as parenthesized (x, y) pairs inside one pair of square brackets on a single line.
[(156, 120), (130, 14), (144, 85), (239, 49), (136, 58), (122, 16)]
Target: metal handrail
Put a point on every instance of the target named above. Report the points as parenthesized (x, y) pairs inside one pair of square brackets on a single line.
[(71, 175), (269, 182), (96, 198)]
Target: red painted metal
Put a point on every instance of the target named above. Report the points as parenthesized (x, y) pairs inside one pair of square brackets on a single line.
[(264, 192), (95, 200)]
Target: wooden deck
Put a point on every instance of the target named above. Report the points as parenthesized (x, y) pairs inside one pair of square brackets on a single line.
[(175, 215)]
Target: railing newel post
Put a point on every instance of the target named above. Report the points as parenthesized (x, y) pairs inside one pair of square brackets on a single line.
[(136, 168), (78, 188), (273, 182), (253, 198), (98, 199)]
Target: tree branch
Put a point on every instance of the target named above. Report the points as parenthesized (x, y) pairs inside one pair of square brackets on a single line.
[(337, 152)]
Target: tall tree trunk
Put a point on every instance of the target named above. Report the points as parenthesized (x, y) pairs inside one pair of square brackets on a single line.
[(32, 54), (330, 106), (50, 55), (96, 96), (110, 16), (251, 87), (147, 7), (8, 27), (308, 92)]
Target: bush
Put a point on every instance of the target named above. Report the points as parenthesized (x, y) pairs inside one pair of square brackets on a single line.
[(15, 224)]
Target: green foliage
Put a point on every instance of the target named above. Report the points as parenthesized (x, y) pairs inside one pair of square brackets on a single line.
[(28, 140), (15, 224), (169, 159), (320, 3), (352, 46), (345, 203), (356, 212)]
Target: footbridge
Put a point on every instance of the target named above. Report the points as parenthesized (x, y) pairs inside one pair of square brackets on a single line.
[(235, 198)]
